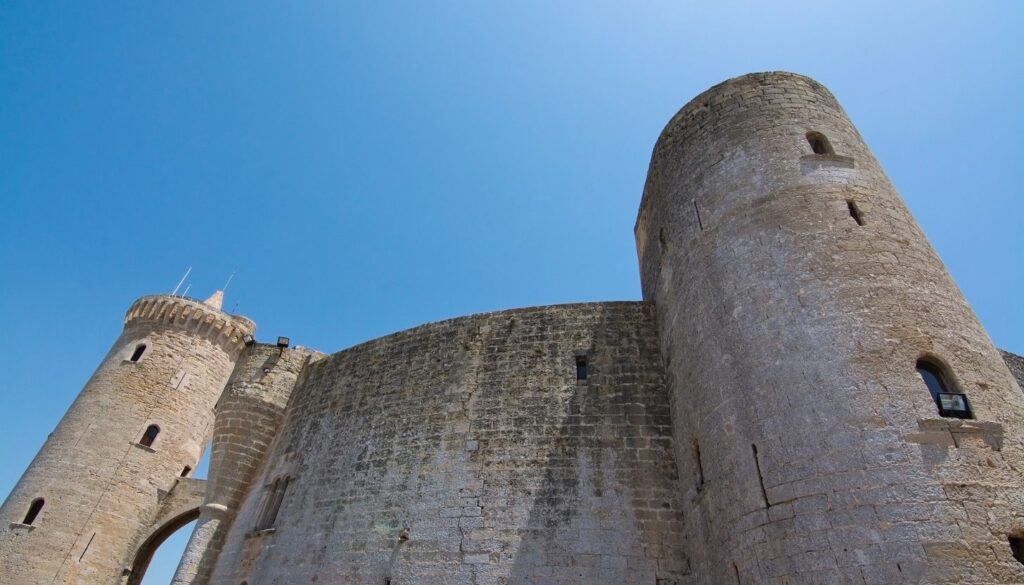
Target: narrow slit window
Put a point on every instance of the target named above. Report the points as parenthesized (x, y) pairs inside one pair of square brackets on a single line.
[(855, 212), (186, 471), (33, 511), (950, 404), (139, 350), (581, 367), (700, 465), (272, 504), (149, 436), (819, 144)]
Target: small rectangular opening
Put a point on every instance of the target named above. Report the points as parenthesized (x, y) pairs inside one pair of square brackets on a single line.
[(187, 470), (581, 367)]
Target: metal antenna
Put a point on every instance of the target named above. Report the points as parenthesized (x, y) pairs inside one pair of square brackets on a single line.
[(182, 281), (185, 292), (233, 309), (225, 289)]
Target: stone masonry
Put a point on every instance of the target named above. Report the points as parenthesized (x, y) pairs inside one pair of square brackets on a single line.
[(760, 417), (103, 489), (795, 294)]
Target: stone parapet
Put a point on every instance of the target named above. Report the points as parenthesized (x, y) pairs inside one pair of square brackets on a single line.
[(219, 327)]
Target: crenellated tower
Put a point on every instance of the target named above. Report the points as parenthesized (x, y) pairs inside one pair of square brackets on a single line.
[(840, 416), (113, 471)]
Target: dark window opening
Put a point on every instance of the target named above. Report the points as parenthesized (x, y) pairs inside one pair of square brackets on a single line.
[(187, 470), (272, 504), (33, 511), (139, 350), (1017, 547), (855, 212), (149, 436), (819, 144), (581, 368), (951, 404)]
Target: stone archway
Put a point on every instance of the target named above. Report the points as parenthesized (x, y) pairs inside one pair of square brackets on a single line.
[(179, 506), (153, 542)]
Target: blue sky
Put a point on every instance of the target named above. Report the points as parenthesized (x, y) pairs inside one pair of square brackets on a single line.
[(364, 167)]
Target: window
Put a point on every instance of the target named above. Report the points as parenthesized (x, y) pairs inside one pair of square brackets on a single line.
[(950, 404), (149, 436), (1017, 548), (271, 504), (33, 511), (581, 367), (139, 350), (819, 144), (187, 470), (855, 212)]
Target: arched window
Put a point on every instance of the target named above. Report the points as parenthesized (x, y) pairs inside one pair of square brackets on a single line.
[(33, 511), (951, 404), (272, 504), (819, 144), (139, 350), (1017, 547), (149, 436)]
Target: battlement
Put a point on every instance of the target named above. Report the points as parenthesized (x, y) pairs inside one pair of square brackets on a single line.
[(191, 314)]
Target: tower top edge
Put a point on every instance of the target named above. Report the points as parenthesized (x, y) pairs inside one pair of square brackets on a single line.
[(180, 310), (724, 100)]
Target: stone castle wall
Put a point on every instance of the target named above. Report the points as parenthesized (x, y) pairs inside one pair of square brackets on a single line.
[(467, 452), (248, 419), (103, 490), (795, 294)]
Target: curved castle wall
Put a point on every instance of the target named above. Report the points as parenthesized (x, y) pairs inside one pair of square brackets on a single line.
[(466, 451), (795, 294), (102, 488)]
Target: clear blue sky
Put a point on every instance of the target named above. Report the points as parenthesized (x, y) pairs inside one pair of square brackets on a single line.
[(364, 167)]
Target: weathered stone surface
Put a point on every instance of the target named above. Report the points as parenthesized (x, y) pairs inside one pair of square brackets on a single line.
[(795, 295), (248, 417), (568, 481)]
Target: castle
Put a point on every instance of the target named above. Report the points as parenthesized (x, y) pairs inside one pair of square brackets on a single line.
[(802, 397)]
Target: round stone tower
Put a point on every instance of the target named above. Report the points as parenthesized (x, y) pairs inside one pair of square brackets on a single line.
[(96, 488), (840, 415), (249, 415)]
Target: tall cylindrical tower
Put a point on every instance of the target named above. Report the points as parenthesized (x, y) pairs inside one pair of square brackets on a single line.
[(840, 415), (140, 423), (249, 415)]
